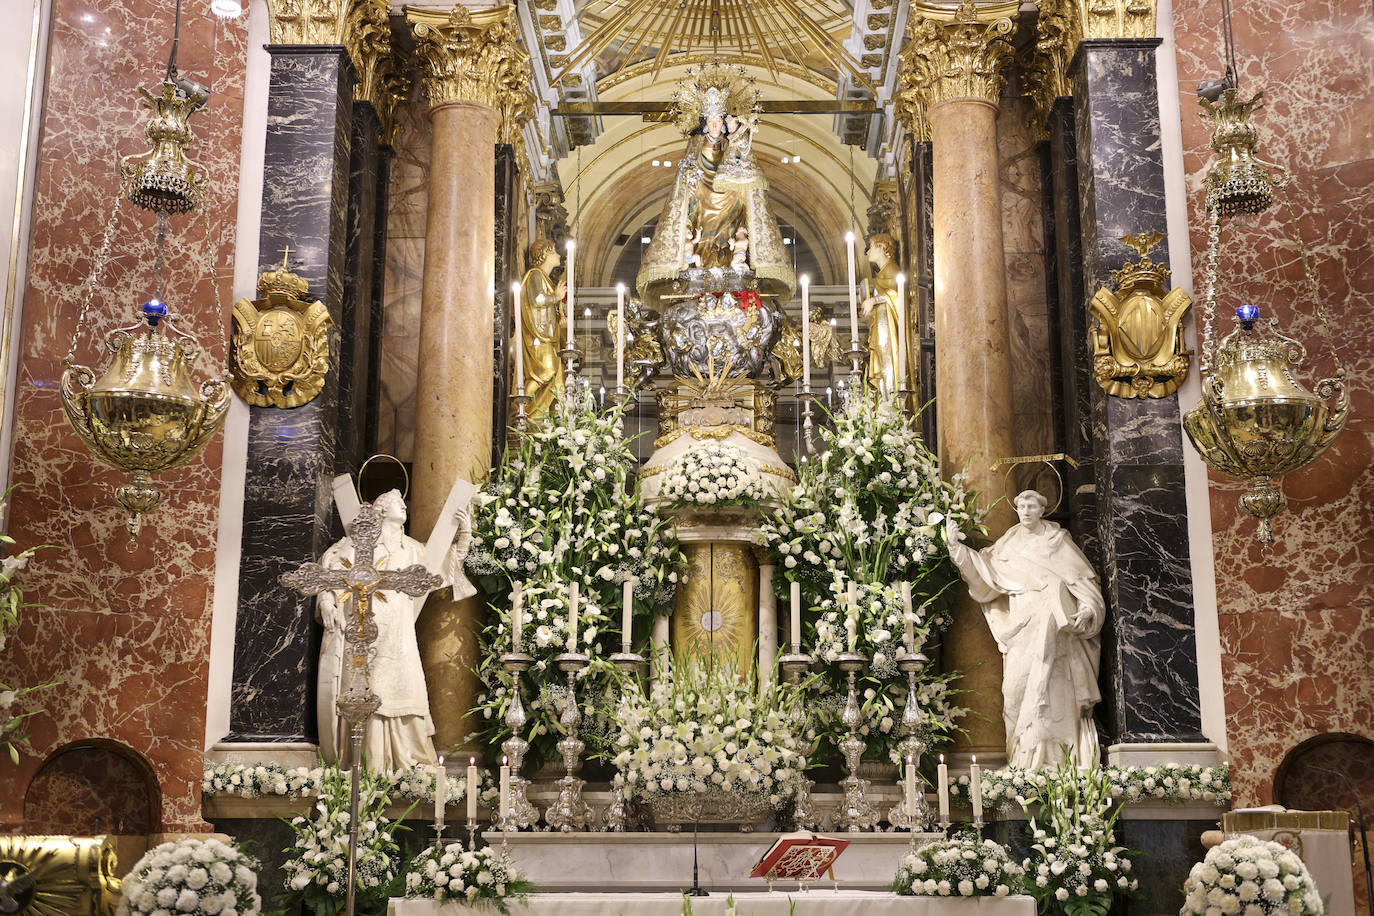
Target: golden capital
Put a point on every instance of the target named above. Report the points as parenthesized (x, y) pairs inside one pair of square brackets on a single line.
[(306, 22), (954, 54), (382, 79), (474, 57), (1057, 33), (1116, 18)]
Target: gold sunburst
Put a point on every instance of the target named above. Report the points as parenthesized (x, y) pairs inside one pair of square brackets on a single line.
[(715, 615), (773, 31), (58, 875)]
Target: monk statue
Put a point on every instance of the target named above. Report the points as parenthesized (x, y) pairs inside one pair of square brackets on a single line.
[(1043, 604), (541, 324), (881, 313)]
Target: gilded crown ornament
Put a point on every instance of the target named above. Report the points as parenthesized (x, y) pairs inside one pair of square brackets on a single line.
[(1237, 181), (164, 180), (1138, 349), (713, 90), (143, 414), (279, 354)]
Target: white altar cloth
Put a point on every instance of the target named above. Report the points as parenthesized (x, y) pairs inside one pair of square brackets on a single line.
[(818, 901)]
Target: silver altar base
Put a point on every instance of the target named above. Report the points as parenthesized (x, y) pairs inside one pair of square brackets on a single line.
[(675, 810)]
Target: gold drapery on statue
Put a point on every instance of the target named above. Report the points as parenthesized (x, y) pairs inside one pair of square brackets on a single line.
[(714, 211), (541, 321), (882, 370)]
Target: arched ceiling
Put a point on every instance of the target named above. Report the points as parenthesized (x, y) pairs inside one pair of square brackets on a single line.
[(612, 188)]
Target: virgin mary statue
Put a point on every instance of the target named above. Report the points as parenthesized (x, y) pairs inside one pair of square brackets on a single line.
[(719, 200)]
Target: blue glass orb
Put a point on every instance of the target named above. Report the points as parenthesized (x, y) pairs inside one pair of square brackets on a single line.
[(1247, 315), (154, 310)]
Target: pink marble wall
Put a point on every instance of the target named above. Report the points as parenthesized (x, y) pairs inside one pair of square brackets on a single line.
[(1297, 636), (127, 626)]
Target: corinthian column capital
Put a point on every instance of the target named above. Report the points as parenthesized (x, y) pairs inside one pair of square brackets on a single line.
[(382, 78), (474, 57), (956, 54)]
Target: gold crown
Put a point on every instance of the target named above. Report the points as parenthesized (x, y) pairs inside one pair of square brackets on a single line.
[(282, 283), (1145, 272)]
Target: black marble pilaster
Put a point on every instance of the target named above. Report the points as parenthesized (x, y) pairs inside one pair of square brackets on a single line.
[(357, 329), (386, 155), (507, 272), (922, 180), (1150, 649), (288, 511), (1070, 319)]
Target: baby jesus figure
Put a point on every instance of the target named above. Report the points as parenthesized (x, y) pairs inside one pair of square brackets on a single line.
[(690, 258), (740, 261)]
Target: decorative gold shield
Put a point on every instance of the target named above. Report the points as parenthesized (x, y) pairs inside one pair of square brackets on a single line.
[(1138, 349), (280, 351)]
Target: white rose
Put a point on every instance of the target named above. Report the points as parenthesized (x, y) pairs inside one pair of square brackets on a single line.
[(966, 888)]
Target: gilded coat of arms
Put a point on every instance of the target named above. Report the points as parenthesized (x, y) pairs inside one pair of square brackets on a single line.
[(1138, 348), (280, 351)]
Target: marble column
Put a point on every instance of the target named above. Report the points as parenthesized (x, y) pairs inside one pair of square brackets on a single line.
[(507, 213), (768, 618), (360, 261), (468, 63), (953, 67), (287, 512), (921, 200), (1149, 650)]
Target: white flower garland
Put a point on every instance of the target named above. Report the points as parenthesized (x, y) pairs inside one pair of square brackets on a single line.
[(192, 876), (711, 474), (701, 728), (272, 780), (453, 873), (1245, 876), (962, 866), (1171, 783)]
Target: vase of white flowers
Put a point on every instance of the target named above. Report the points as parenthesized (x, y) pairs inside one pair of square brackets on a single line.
[(962, 866), (192, 876), (451, 873), (1246, 876), (703, 744), (716, 477)]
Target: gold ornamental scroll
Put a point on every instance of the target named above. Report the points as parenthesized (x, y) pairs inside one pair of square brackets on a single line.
[(716, 615)]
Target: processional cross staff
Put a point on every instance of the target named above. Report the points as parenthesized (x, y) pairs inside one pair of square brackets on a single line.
[(359, 580)]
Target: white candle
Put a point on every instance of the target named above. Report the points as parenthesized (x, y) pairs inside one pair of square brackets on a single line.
[(440, 793), (472, 788), (572, 616), (853, 295), (619, 336), (901, 332), (851, 620), (975, 788), (911, 788), (796, 618), (517, 616), (806, 333), (571, 308), (909, 617), (942, 789), (505, 788), (518, 351), (627, 597)]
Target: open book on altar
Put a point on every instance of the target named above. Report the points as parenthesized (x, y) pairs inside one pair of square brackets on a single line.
[(800, 856)]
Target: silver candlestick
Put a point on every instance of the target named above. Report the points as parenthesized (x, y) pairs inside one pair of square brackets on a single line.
[(804, 813), (572, 361), (856, 813), (570, 812), (856, 359), (807, 400), (631, 664), (911, 748), (520, 813)]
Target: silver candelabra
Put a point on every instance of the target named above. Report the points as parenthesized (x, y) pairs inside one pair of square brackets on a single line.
[(856, 812), (911, 748), (570, 812), (520, 814), (804, 813)]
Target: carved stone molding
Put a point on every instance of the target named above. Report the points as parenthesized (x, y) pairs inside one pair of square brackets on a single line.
[(952, 55), (475, 57), (1116, 18)]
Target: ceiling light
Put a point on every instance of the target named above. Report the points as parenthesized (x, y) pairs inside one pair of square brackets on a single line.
[(655, 163)]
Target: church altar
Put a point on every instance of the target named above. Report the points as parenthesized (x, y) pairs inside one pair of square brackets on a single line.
[(829, 902)]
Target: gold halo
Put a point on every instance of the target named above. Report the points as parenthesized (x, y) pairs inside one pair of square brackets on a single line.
[(1013, 463), (358, 487)]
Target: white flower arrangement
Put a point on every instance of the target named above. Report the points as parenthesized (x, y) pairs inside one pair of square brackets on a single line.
[(479, 877), (192, 876), (272, 780), (1245, 876), (711, 474), (1076, 865), (702, 729), (1170, 783), (962, 866), (318, 872)]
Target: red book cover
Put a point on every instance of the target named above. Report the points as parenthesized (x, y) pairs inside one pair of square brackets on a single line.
[(799, 856)]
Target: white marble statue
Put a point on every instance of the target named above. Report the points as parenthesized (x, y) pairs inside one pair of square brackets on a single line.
[(401, 733), (1043, 604)]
